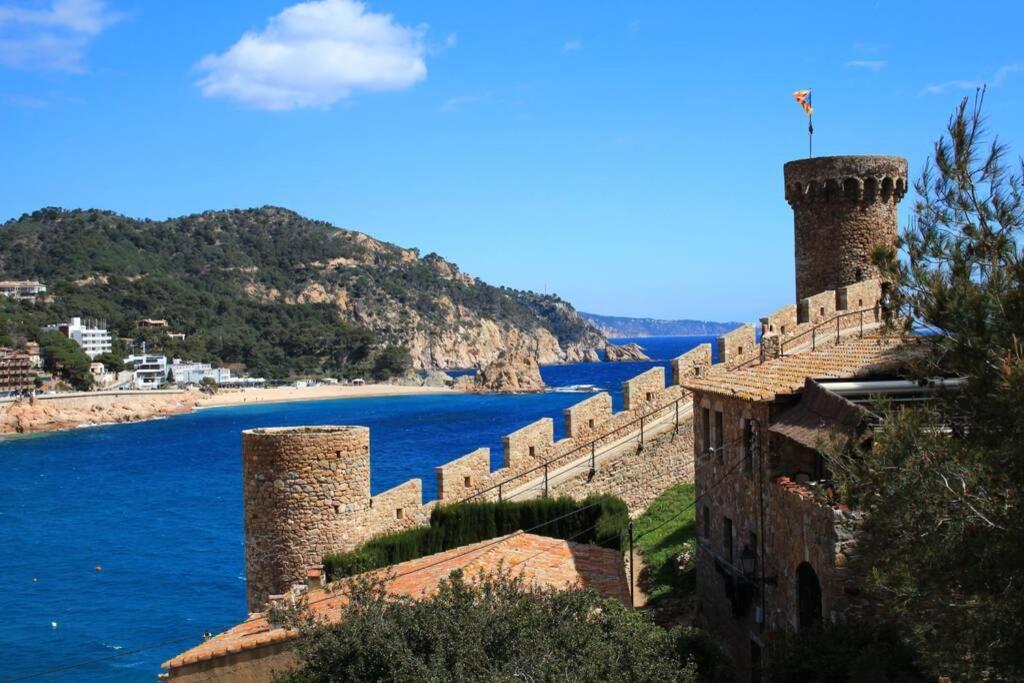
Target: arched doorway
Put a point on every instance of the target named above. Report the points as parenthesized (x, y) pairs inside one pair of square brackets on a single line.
[(808, 595)]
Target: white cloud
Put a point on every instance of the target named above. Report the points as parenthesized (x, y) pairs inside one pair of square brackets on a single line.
[(868, 64), (572, 46), (53, 36), (459, 101), (314, 54), (996, 80)]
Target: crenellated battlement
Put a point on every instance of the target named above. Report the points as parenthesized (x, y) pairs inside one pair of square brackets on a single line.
[(844, 208)]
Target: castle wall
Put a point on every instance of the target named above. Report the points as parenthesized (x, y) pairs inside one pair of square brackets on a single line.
[(644, 390), (530, 445), (586, 419), (738, 347), (693, 363), (464, 476)]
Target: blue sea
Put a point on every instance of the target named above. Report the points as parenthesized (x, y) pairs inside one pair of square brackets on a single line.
[(123, 537)]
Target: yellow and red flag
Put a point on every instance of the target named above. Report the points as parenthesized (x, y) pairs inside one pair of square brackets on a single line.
[(803, 98)]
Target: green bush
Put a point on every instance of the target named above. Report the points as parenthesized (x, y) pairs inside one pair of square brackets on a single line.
[(601, 520)]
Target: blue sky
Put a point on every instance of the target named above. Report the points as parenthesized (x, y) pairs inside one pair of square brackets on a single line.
[(627, 156)]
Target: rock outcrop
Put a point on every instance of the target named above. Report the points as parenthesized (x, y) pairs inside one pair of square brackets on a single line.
[(624, 352), (51, 414), (512, 373)]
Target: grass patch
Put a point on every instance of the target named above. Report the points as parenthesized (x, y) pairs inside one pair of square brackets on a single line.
[(661, 536)]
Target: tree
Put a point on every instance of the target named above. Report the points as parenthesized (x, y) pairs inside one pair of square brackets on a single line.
[(64, 358), (111, 361), (494, 628), (943, 541), (392, 361)]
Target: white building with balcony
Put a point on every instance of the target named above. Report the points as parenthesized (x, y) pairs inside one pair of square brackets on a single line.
[(149, 370), (91, 335), (22, 289)]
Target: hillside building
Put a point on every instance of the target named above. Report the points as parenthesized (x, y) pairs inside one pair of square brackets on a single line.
[(23, 290), (16, 374), (183, 372), (91, 335), (149, 370)]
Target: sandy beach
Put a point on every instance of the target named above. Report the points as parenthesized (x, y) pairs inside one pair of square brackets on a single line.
[(236, 397)]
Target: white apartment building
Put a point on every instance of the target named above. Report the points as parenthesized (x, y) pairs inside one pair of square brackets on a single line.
[(150, 370), (188, 372), (90, 335)]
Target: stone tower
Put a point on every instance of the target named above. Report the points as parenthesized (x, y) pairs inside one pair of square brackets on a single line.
[(843, 207), (300, 486)]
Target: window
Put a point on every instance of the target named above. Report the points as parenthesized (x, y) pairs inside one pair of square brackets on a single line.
[(748, 446), (782, 330), (590, 423), (821, 311), (739, 350), (727, 538), (650, 395), (468, 481), (706, 518), (719, 434), (533, 451), (705, 432), (399, 513)]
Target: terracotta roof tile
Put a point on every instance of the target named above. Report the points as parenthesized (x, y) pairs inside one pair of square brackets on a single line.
[(539, 560), (787, 375)]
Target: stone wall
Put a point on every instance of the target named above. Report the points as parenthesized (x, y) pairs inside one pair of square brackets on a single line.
[(843, 208), (639, 477), (530, 445), (693, 363), (585, 419), (464, 476), (644, 390), (738, 346), (301, 487)]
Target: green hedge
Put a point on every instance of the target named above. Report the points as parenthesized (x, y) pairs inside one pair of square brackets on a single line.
[(452, 526)]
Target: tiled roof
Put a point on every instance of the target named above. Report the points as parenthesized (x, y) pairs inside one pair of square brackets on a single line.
[(539, 560), (819, 416), (786, 375)]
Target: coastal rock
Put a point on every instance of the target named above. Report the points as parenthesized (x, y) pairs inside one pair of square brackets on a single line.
[(50, 414), (436, 378), (624, 352), (512, 373)]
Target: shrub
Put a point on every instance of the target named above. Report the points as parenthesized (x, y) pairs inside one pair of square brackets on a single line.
[(492, 628), (598, 519)]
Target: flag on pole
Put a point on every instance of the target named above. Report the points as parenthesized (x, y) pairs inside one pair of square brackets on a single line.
[(802, 98)]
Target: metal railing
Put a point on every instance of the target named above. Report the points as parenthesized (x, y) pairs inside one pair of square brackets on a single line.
[(592, 445), (828, 323)]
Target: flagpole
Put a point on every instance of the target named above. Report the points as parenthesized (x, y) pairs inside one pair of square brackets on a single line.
[(810, 125)]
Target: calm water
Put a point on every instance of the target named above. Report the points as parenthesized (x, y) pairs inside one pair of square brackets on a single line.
[(156, 506)]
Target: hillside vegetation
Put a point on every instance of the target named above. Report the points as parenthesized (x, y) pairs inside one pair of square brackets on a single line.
[(617, 326), (277, 293)]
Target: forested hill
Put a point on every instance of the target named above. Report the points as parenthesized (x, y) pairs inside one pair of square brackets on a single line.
[(277, 293), (618, 326)]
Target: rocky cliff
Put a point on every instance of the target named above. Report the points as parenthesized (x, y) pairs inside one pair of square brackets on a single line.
[(511, 373)]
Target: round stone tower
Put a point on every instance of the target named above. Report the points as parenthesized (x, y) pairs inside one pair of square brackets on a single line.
[(300, 486), (843, 207)]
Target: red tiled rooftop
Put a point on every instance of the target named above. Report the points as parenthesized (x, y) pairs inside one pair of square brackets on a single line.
[(539, 560), (786, 375)]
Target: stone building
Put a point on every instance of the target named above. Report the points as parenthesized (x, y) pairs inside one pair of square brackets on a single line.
[(770, 552), (843, 208)]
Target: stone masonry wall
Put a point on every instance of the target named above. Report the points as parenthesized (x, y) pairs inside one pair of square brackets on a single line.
[(530, 445), (737, 346), (693, 363), (585, 419), (643, 390), (300, 486), (843, 207), (464, 476)]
